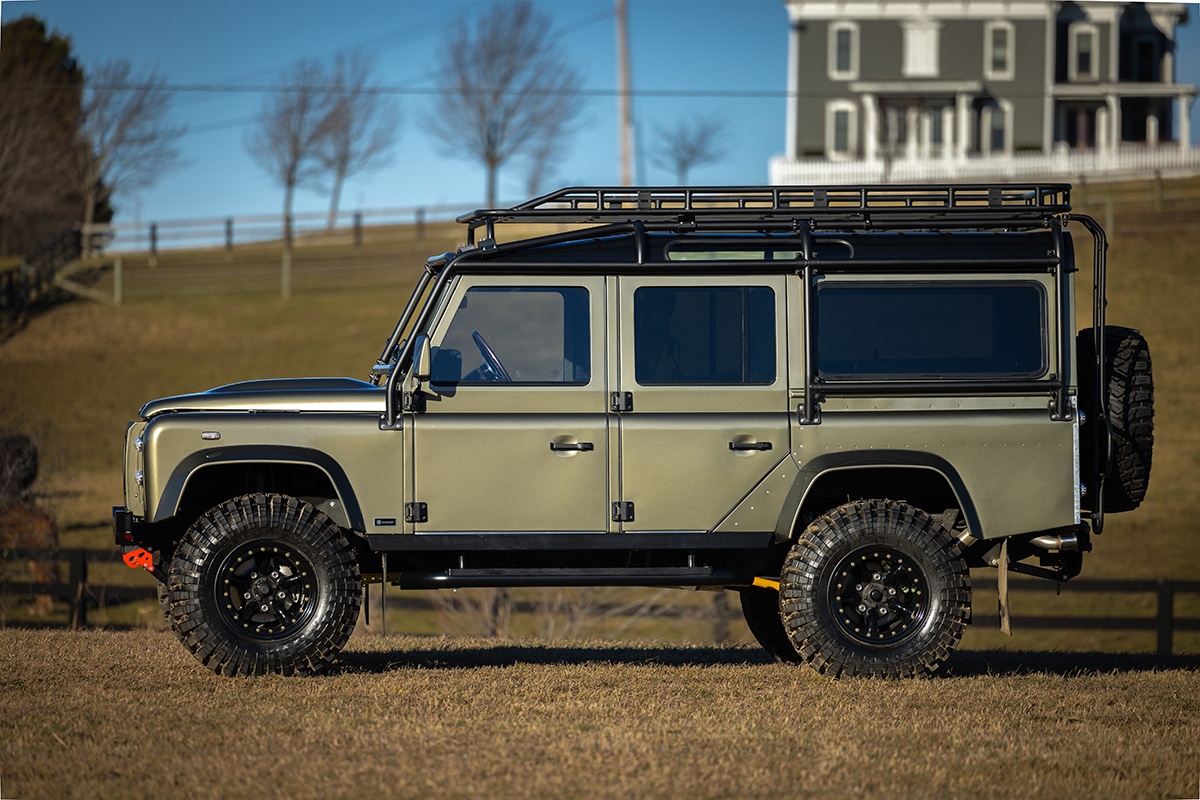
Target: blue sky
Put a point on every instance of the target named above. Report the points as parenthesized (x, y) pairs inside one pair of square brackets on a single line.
[(737, 47)]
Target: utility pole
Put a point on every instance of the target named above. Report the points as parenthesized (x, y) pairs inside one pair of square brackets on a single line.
[(624, 121)]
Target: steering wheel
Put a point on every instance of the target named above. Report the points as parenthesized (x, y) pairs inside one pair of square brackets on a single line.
[(490, 360)]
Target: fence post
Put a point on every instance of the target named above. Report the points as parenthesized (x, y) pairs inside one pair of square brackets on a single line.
[(229, 238), (358, 229), (118, 281), (1166, 616), (153, 245), (420, 223), (78, 582)]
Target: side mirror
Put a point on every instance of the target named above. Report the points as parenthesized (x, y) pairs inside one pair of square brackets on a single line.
[(421, 358)]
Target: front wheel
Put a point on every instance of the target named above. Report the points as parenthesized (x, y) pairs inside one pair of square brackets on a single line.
[(264, 584), (875, 588)]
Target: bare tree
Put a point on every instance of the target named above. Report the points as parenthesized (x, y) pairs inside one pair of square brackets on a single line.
[(541, 156), (291, 125), (127, 141), (360, 126), (692, 141), (504, 83)]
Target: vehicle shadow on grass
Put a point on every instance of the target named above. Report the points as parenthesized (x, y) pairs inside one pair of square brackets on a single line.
[(449, 655), (507, 654)]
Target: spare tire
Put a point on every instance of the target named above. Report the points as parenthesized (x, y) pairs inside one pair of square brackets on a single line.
[(1128, 391)]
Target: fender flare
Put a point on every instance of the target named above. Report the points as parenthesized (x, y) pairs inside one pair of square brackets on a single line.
[(176, 484), (816, 468)]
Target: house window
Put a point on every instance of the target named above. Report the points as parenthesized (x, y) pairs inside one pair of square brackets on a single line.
[(843, 51), (996, 129), (841, 129), (998, 51), (921, 49), (1084, 52)]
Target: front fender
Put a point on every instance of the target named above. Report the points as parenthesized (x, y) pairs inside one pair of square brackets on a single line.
[(176, 484)]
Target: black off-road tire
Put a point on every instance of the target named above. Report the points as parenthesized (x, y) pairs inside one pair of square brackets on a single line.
[(262, 584), (760, 607), (1129, 388), (875, 588)]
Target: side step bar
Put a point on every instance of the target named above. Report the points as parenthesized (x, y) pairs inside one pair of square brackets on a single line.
[(458, 578)]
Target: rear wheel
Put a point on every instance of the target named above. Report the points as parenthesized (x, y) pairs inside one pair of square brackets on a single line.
[(760, 607), (264, 584), (875, 588)]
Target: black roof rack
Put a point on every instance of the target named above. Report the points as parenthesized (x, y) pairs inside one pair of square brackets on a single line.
[(772, 207)]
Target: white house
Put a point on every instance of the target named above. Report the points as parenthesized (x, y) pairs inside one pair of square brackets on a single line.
[(931, 90)]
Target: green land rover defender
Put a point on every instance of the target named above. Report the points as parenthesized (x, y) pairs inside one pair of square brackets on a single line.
[(834, 401)]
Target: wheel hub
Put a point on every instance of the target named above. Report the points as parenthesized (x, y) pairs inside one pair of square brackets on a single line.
[(266, 590), (880, 595)]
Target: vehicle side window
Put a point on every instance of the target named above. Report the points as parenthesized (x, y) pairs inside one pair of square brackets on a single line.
[(704, 335), (877, 330), (539, 335)]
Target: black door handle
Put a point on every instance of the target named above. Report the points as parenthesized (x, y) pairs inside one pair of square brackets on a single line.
[(749, 445), (579, 447)]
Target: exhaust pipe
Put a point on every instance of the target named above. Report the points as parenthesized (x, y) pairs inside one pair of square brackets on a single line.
[(1061, 542)]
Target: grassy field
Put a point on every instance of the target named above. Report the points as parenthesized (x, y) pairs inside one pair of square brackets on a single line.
[(104, 714), (76, 374)]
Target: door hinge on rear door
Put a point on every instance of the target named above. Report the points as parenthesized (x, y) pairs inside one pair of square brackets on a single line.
[(622, 512), (620, 402), (416, 512)]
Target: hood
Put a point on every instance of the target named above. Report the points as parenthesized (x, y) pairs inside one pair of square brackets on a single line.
[(281, 394)]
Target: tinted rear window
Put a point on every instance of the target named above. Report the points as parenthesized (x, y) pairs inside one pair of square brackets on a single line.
[(933, 330)]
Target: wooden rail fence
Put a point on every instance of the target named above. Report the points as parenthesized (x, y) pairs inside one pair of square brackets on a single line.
[(81, 594)]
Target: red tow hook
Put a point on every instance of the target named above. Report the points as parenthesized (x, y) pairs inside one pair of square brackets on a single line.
[(139, 557)]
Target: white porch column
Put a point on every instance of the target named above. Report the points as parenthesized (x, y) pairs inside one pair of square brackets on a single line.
[(913, 126), (870, 117), (1182, 111), (1152, 130), (792, 132), (962, 110), (1114, 122)]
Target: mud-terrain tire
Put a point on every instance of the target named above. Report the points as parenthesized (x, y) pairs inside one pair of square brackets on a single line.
[(760, 607), (875, 588), (1129, 389), (264, 583)]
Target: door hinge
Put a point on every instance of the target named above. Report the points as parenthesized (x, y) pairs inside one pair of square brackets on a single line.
[(622, 512), (621, 402), (414, 402), (416, 512)]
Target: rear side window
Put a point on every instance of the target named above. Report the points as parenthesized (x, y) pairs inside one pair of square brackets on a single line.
[(931, 330), (713, 335)]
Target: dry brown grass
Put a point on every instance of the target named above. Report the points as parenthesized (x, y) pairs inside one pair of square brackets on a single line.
[(132, 715)]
